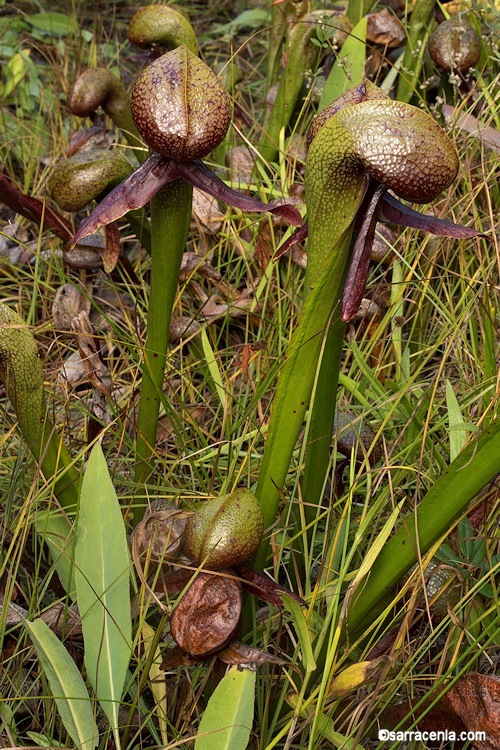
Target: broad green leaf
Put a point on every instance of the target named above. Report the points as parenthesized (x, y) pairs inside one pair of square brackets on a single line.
[(471, 546), (227, 721), (254, 18), (213, 368), (348, 70), (8, 720), (67, 685), (102, 586), (53, 23), (301, 629), (458, 435), (14, 72), (40, 739)]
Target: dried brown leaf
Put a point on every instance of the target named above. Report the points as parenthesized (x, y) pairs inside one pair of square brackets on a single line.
[(385, 29), (239, 653), (475, 698), (472, 125)]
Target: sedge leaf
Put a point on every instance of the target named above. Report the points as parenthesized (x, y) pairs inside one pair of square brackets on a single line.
[(227, 721), (55, 529), (213, 368), (301, 629), (458, 435), (102, 586), (348, 69), (52, 23), (67, 685)]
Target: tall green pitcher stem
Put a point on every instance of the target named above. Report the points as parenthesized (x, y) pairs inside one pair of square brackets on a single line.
[(170, 216), (295, 384), (319, 438), (344, 155)]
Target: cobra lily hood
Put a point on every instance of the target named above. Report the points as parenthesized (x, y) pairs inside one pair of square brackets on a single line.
[(181, 127)]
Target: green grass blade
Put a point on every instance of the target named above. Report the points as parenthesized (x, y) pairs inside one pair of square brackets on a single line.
[(325, 727), (377, 546), (348, 70), (67, 685), (102, 586), (458, 435), (357, 9), (476, 465), (416, 44), (55, 530), (302, 631), (227, 721), (213, 368)]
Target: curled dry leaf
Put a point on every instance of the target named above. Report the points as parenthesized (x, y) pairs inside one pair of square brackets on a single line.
[(14, 244), (182, 327), (239, 653), (354, 434), (86, 254), (475, 698), (241, 162), (116, 306), (90, 349), (214, 307), (195, 414), (367, 309), (383, 243), (206, 212), (355, 676), (385, 29), (471, 704), (60, 619), (174, 658), (193, 263), (69, 300), (207, 615), (159, 534), (73, 371), (297, 148), (470, 124), (88, 139)]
